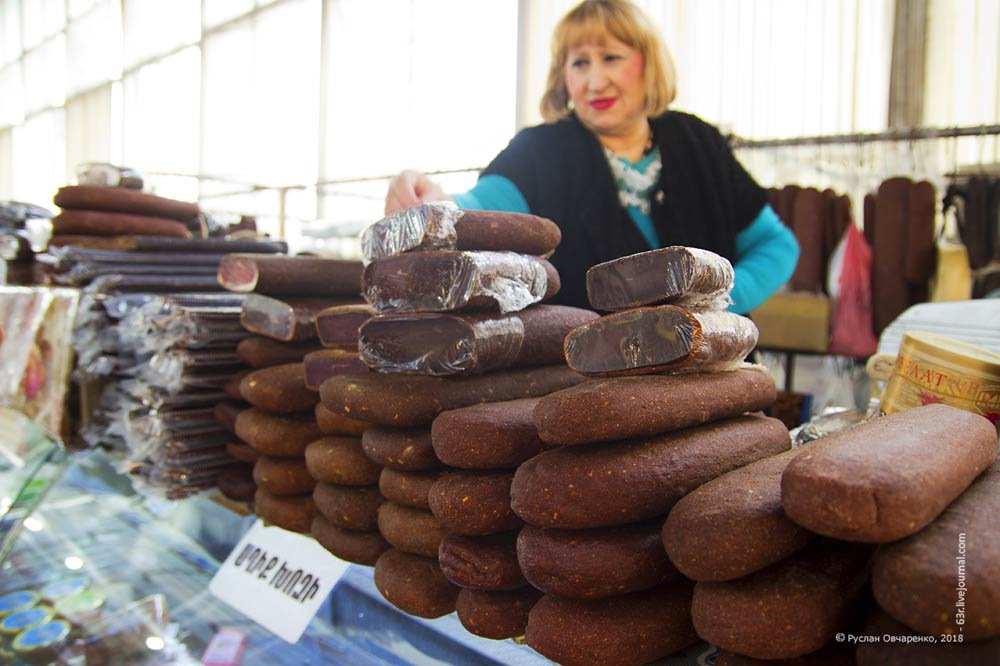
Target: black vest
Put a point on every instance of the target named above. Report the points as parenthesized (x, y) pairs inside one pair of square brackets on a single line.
[(703, 198)]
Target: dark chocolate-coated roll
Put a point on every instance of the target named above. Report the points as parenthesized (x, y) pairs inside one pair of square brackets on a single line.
[(358, 547), (283, 476), (282, 436), (410, 530), (280, 389), (294, 513), (496, 614), (481, 562), (352, 508), (340, 460), (474, 503), (408, 488), (494, 435), (414, 584), (404, 449)]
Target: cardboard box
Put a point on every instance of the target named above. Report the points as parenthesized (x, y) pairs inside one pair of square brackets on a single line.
[(795, 321)]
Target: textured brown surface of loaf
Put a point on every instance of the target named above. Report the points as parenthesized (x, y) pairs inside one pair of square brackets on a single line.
[(441, 344), (408, 488), (281, 274), (605, 410), (502, 230), (921, 248), (337, 327), (283, 476), (358, 547), (676, 274), (617, 631), (322, 364), (232, 387), (276, 435), (807, 216), (474, 503), (414, 584), (403, 400), (877, 652), (496, 614), (242, 451), (237, 483), (353, 508), (123, 200), (493, 435), (294, 513), (886, 479), (604, 484), (260, 352), (596, 563), (332, 423), (922, 579), (340, 460), (890, 290), (88, 222), (481, 562), (403, 449), (226, 411), (288, 318), (733, 525), (448, 281), (657, 339), (787, 610), (410, 530), (280, 389)]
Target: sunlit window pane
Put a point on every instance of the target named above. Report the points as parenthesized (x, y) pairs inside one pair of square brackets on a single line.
[(10, 30), (94, 47), (78, 7), (7, 164), (153, 27), (42, 18), (88, 128), (219, 11), (11, 95), (40, 158), (45, 75)]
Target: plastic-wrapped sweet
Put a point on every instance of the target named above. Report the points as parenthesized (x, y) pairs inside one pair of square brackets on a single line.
[(444, 280), (666, 338), (684, 276), (449, 344), (441, 225)]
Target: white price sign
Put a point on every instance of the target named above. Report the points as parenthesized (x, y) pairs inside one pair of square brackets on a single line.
[(277, 578)]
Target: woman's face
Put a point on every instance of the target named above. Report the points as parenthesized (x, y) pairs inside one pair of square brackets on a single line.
[(605, 83)]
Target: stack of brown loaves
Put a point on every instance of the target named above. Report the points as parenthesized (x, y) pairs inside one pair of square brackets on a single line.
[(456, 325), (628, 445)]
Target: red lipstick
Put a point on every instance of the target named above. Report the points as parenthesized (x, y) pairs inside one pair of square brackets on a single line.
[(602, 103)]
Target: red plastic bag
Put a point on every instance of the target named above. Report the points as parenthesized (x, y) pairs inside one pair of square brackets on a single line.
[(852, 332)]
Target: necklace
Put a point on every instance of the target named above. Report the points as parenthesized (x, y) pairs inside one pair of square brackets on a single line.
[(634, 184)]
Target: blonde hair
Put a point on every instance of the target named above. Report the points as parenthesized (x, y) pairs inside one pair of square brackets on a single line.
[(596, 19)]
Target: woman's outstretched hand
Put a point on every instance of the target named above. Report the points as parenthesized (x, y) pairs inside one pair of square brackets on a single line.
[(410, 188)]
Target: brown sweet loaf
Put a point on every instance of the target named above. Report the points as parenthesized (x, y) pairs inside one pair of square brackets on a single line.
[(606, 410), (340, 460), (494, 435), (627, 630), (404, 400), (598, 485), (474, 503), (294, 513), (332, 423), (922, 579), (408, 488), (358, 547), (225, 413), (890, 290), (685, 276), (283, 274), (99, 223), (591, 564), (352, 508), (232, 386), (337, 327), (288, 318), (481, 562), (496, 614), (282, 476), (123, 200), (920, 256), (236, 483), (276, 435), (322, 364), (658, 339), (440, 344), (886, 479), (414, 584), (280, 389), (733, 525), (449, 281), (410, 530), (787, 610), (403, 449), (242, 451), (441, 225), (877, 652), (260, 352)]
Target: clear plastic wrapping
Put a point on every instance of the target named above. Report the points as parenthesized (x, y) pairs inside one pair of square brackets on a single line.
[(434, 344), (660, 339), (442, 281), (688, 277), (426, 226)]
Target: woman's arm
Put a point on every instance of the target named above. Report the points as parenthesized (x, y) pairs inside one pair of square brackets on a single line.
[(766, 254), (493, 192)]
